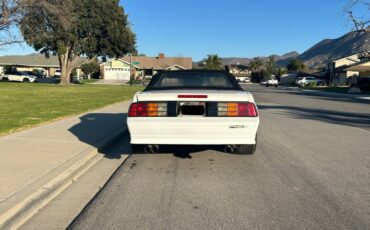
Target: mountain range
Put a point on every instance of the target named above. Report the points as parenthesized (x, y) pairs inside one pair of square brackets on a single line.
[(318, 55), (331, 49)]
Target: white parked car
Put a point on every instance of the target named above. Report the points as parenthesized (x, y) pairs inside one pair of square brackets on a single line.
[(243, 79), (274, 83), (18, 76), (57, 73), (194, 108), (304, 81)]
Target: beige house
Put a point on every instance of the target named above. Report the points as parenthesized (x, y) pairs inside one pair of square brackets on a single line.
[(239, 70), (340, 74), (32, 62), (119, 69), (362, 68)]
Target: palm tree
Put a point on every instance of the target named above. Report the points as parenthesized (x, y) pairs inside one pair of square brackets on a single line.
[(256, 64), (271, 67), (213, 62)]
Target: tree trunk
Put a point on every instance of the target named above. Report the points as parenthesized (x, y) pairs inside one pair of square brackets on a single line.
[(65, 69)]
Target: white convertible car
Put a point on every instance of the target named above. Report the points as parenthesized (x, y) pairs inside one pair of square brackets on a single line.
[(194, 108)]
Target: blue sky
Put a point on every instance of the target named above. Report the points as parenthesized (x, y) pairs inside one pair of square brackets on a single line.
[(229, 28)]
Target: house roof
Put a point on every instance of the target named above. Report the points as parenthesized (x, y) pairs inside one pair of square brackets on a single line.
[(360, 67), (121, 60), (359, 55), (160, 63), (32, 60)]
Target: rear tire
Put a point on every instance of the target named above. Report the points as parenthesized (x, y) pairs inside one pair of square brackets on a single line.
[(247, 149), (26, 80), (5, 79)]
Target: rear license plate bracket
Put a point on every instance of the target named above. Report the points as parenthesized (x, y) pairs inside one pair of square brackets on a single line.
[(192, 108)]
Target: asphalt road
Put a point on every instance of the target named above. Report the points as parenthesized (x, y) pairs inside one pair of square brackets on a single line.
[(311, 171)]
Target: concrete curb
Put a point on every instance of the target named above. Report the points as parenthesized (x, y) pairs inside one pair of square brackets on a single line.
[(26, 208)]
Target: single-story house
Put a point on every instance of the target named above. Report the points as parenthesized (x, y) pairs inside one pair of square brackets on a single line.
[(48, 65), (239, 69), (119, 69), (363, 68), (340, 72)]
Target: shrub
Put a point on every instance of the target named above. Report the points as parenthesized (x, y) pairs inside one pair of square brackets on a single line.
[(364, 84), (312, 84)]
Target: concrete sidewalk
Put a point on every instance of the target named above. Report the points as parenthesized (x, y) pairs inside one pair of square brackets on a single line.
[(35, 162)]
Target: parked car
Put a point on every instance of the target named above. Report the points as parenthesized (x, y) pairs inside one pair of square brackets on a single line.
[(243, 79), (298, 80), (273, 83), (305, 81), (194, 107), (18, 76), (57, 73)]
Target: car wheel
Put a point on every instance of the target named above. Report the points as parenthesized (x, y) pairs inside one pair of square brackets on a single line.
[(246, 149), (276, 86), (5, 79), (26, 80)]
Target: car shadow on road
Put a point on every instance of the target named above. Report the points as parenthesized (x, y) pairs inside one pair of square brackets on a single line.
[(183, 151), (92, 125), (104, 131), (330, 116)]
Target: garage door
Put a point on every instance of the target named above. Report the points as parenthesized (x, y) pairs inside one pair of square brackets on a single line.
[(113, 74)]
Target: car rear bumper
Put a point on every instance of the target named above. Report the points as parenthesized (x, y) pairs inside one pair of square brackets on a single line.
[(193, 131)]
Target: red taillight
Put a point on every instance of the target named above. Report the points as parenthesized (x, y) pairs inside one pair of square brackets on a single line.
[(192, 96), (148, 109), (237, 110)]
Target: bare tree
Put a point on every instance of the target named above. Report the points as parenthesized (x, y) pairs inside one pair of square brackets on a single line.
[(9, 17), (11, 13), (361, 21)]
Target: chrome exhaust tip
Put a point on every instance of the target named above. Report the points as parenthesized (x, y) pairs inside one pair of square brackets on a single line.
[(151, 149), (155, 149), (148, 149), (228, 149), (231, 149)]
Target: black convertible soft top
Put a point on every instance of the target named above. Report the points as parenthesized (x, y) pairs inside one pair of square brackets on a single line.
[(193, 79)]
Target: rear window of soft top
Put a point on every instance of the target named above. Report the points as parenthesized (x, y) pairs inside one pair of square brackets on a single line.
[(193, 80)]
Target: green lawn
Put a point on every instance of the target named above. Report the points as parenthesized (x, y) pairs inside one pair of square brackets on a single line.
[(27, 105), (88, 81)]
